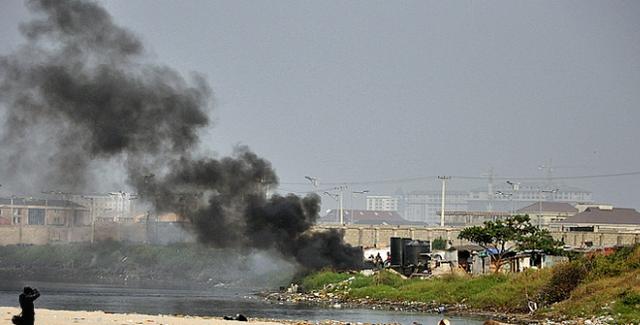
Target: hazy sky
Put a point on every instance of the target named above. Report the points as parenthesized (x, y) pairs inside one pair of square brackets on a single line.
[(371, 90)]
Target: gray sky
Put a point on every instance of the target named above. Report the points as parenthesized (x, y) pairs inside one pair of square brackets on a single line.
[(362, 90)]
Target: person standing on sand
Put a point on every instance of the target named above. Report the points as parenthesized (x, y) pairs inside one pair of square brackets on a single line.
[(444, 321), (27, 317)]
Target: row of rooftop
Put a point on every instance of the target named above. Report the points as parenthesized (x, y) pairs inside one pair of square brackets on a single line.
[(560, 216), (82, 210)]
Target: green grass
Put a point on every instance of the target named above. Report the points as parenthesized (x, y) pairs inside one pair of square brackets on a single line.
[(608, 285), (377, 292), (489, 291), (480, 292), (317, 281), (617, 296), (513, 293), (361, 282)]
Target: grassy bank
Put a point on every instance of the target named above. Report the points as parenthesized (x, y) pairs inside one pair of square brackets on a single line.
[(116, 262), (588, 286)]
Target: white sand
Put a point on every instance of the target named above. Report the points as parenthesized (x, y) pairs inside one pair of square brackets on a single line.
[(64, 317)]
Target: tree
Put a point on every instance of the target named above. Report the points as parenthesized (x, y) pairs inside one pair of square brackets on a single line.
[(504, 236), (439, 243), (541, 240)]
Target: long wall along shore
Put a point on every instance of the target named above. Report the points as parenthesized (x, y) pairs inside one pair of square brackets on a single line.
[(355, 235)]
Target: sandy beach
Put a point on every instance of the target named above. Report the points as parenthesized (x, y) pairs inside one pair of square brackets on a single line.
[(65, 317)]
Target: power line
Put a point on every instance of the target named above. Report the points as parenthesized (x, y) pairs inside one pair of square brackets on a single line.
[(435, 177)]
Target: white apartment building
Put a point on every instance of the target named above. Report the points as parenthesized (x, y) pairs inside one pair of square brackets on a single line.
[(423, 206), (525, 194), (382, 203), (112, 207)]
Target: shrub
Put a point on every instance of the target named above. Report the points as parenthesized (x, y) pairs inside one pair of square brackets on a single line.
[(439, 244), (631, 298), (564, 278), (388, 278)]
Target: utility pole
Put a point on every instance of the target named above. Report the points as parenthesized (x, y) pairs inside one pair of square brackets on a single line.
[(92, 215), (339, 198), (352, 193), (510, 196), (444, 189), (490, 193), (515, 187), (341, 188), (16, 219), (93, 220)]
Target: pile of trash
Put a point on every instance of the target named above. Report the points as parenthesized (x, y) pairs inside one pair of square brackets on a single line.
[(332, 294), (336, 295), (600, 320)]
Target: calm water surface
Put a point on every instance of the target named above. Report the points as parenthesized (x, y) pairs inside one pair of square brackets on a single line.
[(213, 302)]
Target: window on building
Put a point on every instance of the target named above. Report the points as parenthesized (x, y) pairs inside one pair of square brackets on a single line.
[(36, 216)]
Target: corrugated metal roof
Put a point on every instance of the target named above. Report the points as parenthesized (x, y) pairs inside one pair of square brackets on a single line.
[(367, 217), (40, 202), (559, 207), (615, 216)]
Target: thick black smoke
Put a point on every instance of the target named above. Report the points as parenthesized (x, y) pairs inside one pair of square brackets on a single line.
[(226, 203), (80, 92), (80, 88)]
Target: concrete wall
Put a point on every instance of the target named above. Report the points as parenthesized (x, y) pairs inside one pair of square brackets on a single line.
[(597, 239), (379, 236), (164, 232), (40, 235), (356, 235)]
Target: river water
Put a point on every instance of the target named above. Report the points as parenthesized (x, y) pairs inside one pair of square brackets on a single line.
[(212, 302)]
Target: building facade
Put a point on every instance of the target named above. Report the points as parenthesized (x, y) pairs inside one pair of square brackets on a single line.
[(599, 218), (506, 197), (545, 213), (109, 207), (423, 206), (42, 212), (382, 203)]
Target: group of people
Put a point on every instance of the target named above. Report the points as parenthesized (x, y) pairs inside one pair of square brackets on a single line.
[(26, 299), (378, 262)]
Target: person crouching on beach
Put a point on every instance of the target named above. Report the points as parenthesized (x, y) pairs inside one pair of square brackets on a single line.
[(27, 317)]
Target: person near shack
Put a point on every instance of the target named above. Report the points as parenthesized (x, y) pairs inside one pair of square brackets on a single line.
[(387, 262), (26, 299), (378, 261)]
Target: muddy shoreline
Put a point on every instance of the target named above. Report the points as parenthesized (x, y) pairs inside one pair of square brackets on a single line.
[(329, 300)]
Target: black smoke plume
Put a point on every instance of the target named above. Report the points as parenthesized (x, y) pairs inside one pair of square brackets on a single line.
[(80, 92)]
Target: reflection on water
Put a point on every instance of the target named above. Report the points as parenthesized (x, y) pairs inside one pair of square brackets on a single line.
[(216, 302)]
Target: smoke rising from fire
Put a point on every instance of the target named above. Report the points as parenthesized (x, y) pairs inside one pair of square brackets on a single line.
[(80, 93)]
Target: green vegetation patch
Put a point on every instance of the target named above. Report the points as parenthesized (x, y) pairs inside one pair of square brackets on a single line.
[(616, 296), (513, 293), (319, 280), (592, 285)]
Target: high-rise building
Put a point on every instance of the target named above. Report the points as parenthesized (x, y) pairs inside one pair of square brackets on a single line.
[(113, 207), (512, 199), (423, 206), (382, 203)]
